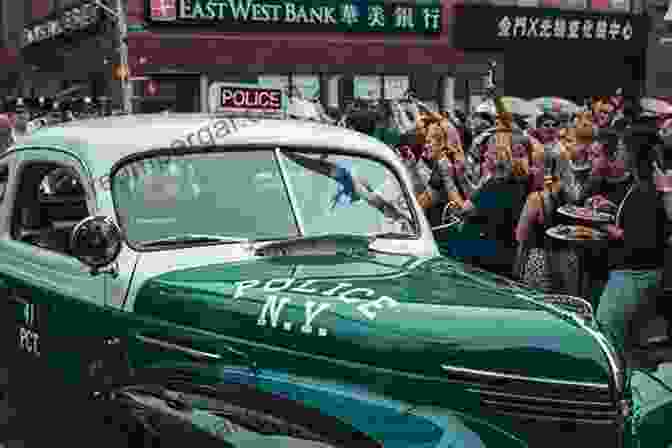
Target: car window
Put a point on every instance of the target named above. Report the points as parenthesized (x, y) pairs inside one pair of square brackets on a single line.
[(256, 194), (61, 183), (50, 201)]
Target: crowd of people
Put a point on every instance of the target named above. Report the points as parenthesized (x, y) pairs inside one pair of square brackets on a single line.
[(503, 181)]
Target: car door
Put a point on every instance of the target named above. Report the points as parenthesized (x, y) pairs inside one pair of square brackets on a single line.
[(56, 306)]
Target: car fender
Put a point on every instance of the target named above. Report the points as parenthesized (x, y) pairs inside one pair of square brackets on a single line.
[(392, 422), (652, 407)]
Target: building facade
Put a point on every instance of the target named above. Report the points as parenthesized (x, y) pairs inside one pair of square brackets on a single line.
[(334, 50)]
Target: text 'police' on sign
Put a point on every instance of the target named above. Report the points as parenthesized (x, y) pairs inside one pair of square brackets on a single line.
[(250, 98)]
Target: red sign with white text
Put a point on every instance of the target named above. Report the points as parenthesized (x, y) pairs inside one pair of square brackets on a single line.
[(250, 98)]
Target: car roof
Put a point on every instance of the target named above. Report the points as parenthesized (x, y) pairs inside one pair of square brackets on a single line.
[(101, 142)]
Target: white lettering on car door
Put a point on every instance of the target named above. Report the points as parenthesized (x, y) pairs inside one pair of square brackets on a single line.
[(29, 341), (28, 337)]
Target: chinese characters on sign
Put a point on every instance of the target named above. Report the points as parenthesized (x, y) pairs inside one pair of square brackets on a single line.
[(71, 20), (526, 27), (322, 14)]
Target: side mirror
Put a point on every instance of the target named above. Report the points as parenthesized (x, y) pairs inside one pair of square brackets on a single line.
[(96, 242)]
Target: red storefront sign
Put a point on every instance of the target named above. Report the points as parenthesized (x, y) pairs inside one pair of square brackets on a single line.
[(250, 98)]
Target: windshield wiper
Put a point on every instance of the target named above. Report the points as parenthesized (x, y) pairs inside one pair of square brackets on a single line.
[(194, 239)]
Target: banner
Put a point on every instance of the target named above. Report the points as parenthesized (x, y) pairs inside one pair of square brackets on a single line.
[(73, 20), (491, 28)]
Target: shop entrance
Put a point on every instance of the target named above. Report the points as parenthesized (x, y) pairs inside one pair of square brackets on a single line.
[(173, 93)]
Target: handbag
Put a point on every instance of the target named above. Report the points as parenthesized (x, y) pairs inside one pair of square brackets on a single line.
[(534, 264)]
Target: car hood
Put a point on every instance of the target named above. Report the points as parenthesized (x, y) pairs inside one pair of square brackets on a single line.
[(404, 313)]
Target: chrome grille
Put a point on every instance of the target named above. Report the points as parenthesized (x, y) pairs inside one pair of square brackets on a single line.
[(539, 398), (549, 408)]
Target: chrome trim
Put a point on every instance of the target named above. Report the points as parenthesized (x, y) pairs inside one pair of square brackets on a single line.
[(617, 373), (549, 400), (550, 418), (530, 379), (170, 346)]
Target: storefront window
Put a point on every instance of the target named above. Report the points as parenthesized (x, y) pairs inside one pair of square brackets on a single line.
[(396, 86), (367, 87), (307, 86)]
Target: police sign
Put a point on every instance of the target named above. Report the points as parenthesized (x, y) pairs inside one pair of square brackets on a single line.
[(244, 98)]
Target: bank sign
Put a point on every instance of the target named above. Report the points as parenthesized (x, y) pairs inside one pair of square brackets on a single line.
[(244, 98), (298, 15)]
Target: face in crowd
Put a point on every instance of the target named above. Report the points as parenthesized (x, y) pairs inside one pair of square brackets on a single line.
[(435, 140), (601, 108)]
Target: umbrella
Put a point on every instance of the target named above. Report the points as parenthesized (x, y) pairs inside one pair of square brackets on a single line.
[(555, 105)]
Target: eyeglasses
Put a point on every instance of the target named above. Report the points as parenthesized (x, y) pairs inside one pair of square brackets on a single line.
[(548, 124)]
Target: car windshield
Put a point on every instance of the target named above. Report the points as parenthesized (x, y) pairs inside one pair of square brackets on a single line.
[(272, 194)]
